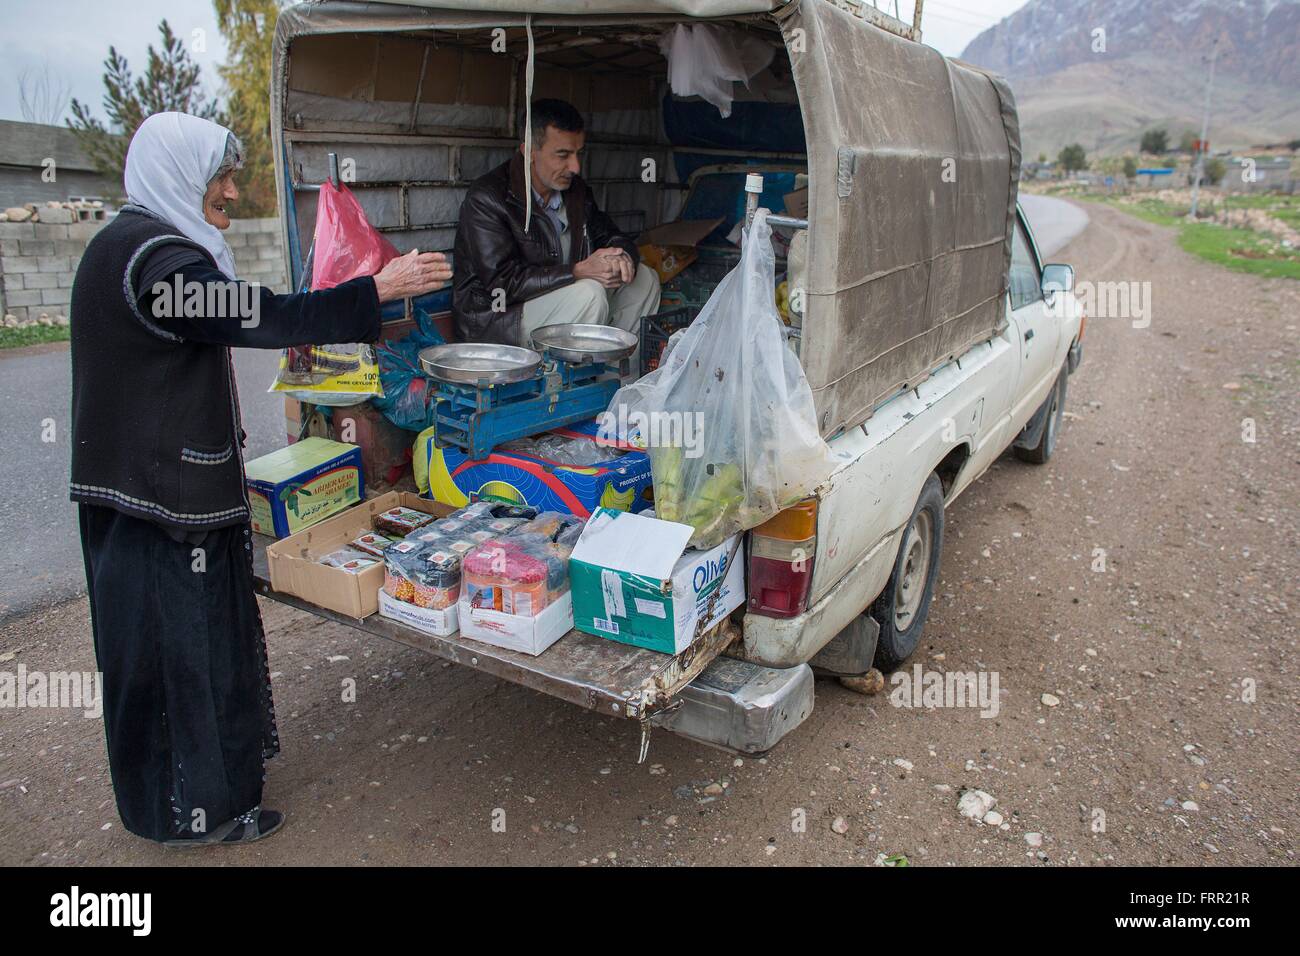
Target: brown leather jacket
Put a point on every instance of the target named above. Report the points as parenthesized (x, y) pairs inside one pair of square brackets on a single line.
[(493, 251)]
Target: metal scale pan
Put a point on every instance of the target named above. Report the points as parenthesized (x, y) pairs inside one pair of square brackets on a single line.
[(479, 363), (581, 344)]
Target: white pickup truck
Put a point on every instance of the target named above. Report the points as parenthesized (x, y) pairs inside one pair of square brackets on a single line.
[(875, 528), (931, 336)]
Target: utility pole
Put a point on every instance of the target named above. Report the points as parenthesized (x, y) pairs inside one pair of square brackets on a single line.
[(1205, 131)]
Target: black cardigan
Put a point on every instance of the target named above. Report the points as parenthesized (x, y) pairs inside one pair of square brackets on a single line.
[(155, 418)]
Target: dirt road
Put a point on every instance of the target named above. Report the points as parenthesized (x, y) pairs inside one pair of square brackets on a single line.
[(1173, 739)]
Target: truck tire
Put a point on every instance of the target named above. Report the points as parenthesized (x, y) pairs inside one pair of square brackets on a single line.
[(1053, 410), (902, 607)]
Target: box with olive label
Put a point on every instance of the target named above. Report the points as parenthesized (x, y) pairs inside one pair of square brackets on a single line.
[(303, 483)]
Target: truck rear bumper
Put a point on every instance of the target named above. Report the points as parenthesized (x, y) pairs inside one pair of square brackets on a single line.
[(740, 706), (788, 641)]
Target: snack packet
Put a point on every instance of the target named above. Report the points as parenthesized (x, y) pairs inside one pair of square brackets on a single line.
[(402, 521), (373, 543), (349, 559)]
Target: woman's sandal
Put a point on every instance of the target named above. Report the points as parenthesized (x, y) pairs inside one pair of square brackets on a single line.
[(238, 830)]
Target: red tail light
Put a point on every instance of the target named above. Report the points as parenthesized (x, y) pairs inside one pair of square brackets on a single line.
[(781, 554)]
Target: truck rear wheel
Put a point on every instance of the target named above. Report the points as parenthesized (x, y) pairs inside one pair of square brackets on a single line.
[(903, 606), (1054, 411)]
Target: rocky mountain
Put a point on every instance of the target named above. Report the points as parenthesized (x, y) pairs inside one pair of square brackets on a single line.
[(1099, 72)]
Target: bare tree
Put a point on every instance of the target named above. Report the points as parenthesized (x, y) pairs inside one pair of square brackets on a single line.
[(41, 97)]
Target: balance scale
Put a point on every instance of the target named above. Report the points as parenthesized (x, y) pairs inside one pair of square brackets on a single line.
[(491, 394)]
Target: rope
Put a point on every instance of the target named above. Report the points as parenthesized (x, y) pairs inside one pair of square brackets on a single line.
[(528, 126)]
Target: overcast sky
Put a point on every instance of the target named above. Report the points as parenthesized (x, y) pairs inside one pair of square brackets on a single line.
[(72, 37)]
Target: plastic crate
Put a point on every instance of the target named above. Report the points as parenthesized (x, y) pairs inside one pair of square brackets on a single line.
[(657, 329)]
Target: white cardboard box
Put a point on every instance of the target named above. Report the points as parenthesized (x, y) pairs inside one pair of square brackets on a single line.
[(635, 581), (435, 621), (529, 635)]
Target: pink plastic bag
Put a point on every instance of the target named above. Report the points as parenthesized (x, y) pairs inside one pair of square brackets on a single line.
[(347, 245)]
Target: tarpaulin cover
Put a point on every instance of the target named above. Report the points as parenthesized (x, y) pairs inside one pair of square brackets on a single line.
[(913, 163), (690, 8)]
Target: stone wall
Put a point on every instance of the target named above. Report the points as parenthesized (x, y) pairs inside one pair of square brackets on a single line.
[(38, 261), (256, 244)]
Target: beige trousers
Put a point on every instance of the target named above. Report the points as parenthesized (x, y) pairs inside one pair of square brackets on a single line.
[(587, 301)]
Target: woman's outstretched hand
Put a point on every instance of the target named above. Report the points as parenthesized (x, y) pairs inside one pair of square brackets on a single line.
[(412, 274)]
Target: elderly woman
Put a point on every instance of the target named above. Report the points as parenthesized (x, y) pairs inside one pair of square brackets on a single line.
[(157, 472)]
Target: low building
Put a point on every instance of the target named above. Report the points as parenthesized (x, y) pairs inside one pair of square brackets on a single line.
[(1258, 174), (39, 163)]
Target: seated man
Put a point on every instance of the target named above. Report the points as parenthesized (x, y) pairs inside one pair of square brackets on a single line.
[(571, 265)]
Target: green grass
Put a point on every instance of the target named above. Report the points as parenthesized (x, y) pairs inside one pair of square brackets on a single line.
[(1151, 210), (1241, 250), (1285, 208), (32, 335)]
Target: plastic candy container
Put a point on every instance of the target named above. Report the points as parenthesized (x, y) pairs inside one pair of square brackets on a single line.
[(399, 570), (437, 583), (554, 526), (421, 573), (502, 575), (504, 556)]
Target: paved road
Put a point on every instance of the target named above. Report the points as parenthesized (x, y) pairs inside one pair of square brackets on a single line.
[(42, 566), (1055, 222)]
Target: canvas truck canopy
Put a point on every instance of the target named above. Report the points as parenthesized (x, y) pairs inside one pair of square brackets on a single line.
[(913, 163), (912, 158)]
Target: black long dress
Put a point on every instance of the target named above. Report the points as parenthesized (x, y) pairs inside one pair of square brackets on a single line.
[(187, 692), (188, 712)]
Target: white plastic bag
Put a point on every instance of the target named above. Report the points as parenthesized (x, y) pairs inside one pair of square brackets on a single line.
[(728, 418), (707, 59)]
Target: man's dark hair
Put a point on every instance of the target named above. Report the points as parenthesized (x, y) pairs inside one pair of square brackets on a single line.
[(563, 116)]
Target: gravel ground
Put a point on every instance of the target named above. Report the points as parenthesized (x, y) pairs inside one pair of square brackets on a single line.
[(1167, 736)]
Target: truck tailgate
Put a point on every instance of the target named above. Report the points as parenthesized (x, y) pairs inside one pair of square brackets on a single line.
[(602, 675)]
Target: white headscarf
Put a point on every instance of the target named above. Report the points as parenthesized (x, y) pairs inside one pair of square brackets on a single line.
[(171, 160)]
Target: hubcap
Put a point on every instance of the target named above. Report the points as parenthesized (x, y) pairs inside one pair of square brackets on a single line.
[(917, 547)]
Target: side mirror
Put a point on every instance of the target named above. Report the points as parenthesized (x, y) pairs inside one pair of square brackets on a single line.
[(1057, 277)]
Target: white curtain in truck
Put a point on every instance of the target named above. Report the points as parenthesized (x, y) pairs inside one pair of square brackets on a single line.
[(707, 60)]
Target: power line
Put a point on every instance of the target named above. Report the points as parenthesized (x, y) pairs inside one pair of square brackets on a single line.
[(963, 11), (950, 19)]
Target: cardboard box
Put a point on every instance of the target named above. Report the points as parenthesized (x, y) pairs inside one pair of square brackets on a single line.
[(634, 581), (294, 569), (679, 232), (303, 483), (621, 481), (385, 448), (528, 635), (796, 203), (439, 622)]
